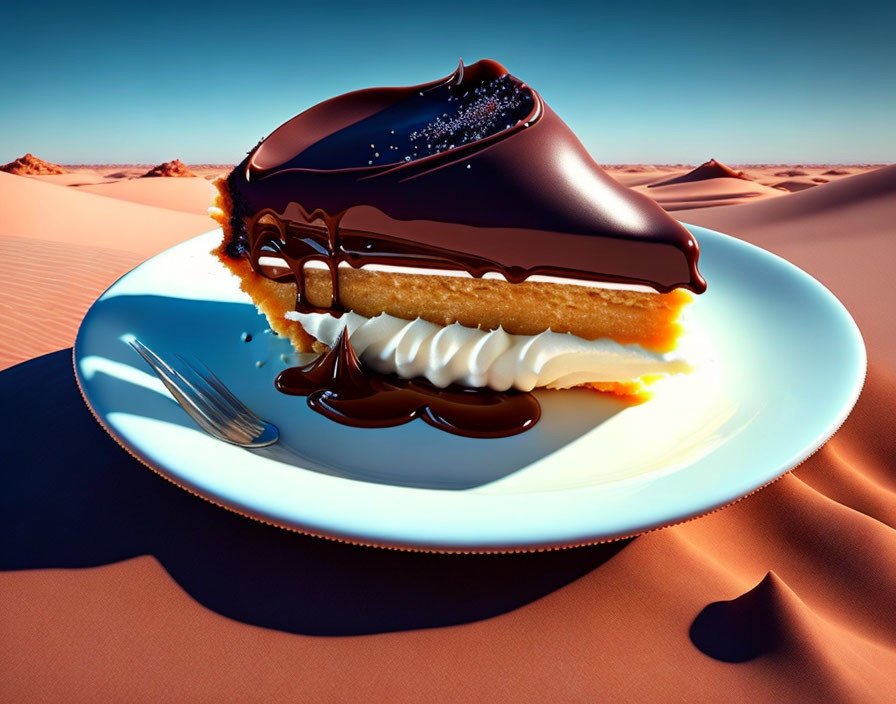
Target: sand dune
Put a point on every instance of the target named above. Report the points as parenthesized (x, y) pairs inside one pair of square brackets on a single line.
[(711, 169), (764, 174), (640, 178), (710, 184), (708, 193), (61, 247), (190, 195), (876, 187), (809, 175), (75, 178), (714, 184), (794, 185), (30, 208)]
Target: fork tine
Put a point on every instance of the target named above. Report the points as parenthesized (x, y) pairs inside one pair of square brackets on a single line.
[(210, 417), (212, 379), (173, 382), (235, 418), (216, 391), (208, 401), (215, 410), (227, 412)]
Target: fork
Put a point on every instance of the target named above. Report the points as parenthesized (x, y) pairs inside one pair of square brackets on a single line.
[(208, 401)]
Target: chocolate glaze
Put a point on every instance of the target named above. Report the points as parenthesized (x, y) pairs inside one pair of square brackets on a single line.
[(471, 172), (338, 388)]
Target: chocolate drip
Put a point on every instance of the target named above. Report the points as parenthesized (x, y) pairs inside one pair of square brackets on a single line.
[(305, 245), (338, 388)]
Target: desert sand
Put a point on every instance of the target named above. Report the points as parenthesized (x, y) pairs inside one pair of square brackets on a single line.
[(703, 194), (672, 187), (60, 247), (190, 195), (785, 596)]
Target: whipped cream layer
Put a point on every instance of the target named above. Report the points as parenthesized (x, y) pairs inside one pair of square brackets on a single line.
[(455, 354)]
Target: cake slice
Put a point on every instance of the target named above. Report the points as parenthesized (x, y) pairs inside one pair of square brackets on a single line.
[(461, 232)]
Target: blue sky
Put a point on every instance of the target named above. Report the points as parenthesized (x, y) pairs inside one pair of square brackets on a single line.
[(653, 82)]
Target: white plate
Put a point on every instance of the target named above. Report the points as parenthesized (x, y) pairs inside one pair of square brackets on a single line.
[(779, 364)]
